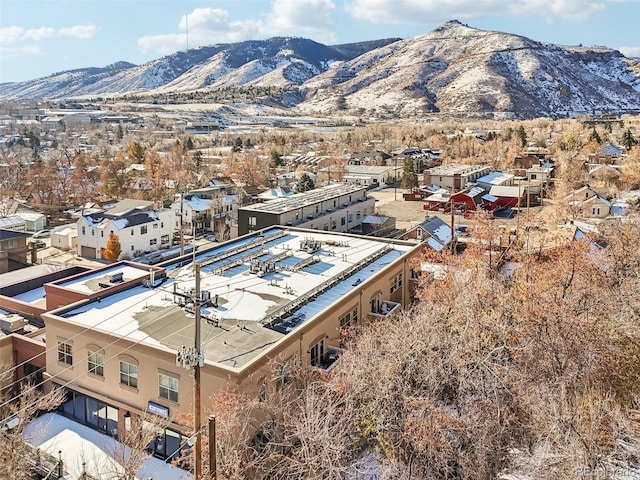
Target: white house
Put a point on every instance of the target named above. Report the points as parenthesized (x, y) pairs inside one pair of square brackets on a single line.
[(139, 226), (65, 237), (588, 203), (205, 210)]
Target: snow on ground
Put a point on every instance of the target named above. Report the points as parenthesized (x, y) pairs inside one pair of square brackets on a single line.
[(79, 444)]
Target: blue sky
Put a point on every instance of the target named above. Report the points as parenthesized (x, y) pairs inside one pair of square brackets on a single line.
[(41, 37)]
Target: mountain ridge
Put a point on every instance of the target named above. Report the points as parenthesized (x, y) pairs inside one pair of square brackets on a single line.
[(454, 69)]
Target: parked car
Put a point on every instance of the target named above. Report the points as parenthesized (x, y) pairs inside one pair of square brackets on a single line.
[(39, 243), (42, 233)]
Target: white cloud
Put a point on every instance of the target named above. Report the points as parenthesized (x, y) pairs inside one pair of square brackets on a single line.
[(306, 18), (630, 51), (15, 35), (16, 52), (436, 11), (82, 32), (208, 26)]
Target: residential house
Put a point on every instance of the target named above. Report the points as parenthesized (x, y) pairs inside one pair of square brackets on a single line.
[(13, 222), (608, 154), (605, 175), (14, 251), (207, 210), (138, 225), (588, 203), (422, 158), (273, 193), (375, 157), (434, 232)]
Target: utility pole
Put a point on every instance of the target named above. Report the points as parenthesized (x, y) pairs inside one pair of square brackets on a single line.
[(181, 224), (213, 467), (192, 359), (453, 232), (395, 177), (197, 470)]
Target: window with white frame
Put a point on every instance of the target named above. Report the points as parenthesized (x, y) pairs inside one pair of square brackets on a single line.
[(395, 283), (95, 363), (168, 387), (65, 354), (143, 230), (128, 374), (350, 318), (252, 221), (153, 241)]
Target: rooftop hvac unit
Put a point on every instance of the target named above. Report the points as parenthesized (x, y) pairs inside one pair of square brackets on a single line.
[(115, 277), (205, 295), (11, 322)]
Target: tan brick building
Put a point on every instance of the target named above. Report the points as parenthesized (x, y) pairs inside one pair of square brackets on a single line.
[(113, 334)]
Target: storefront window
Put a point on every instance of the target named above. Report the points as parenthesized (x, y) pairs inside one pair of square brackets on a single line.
[(90, 411)]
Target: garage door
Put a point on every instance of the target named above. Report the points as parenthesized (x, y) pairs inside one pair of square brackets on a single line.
[(88, 252)]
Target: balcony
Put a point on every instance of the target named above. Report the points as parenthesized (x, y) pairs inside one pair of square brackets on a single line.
[(385, 309), (329, 359)]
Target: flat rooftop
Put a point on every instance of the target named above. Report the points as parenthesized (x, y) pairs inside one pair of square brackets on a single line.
[(96, 281), (261, 287), (311, 197), (456, 169)]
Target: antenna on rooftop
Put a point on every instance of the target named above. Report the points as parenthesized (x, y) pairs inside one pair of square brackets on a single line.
[(186, 21)]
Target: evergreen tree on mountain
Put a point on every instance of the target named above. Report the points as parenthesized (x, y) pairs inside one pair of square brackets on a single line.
[(628, 140)]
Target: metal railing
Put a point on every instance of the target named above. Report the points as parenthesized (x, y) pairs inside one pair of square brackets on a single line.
[(303, 299)]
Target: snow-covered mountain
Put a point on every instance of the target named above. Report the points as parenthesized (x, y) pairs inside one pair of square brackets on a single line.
[(211, 67), (461, 70), (453, 69)]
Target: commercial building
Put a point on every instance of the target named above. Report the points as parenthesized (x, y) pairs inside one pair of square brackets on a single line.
[(117, 337), (453, 176), (334, 208)]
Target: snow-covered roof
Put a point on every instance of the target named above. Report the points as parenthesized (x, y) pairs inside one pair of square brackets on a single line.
[(89, 283), (197, 204), (85, 450), (255, 311), (439, 232), (12, 221), (495, 178)]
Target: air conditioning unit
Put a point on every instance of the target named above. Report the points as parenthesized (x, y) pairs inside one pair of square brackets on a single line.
[(115, 277), (11, 322)]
